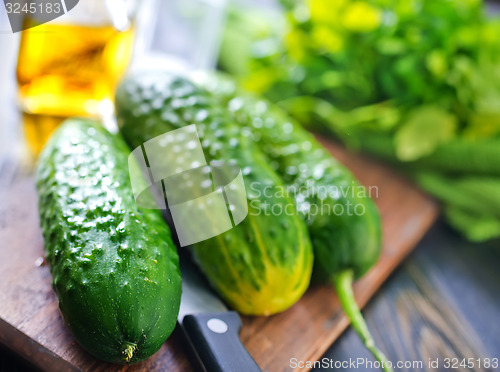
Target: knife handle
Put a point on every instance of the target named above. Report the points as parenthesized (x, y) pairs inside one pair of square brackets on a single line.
[(215, 337)]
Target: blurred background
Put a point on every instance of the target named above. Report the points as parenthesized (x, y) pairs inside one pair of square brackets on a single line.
[(415, 83)]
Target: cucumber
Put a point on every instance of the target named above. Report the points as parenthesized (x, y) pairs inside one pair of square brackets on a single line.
[(261, 266), (341, 241), (114, 266), (457, 156), (343, 222)]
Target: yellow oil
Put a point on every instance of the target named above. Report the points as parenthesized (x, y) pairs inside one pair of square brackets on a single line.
[(68, 70), (37, 130)]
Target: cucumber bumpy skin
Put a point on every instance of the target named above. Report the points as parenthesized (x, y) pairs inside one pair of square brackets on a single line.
[(114, 266), (261, 266), (346, 245)]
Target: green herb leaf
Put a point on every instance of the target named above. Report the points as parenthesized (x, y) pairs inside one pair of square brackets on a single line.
[(424, 130)]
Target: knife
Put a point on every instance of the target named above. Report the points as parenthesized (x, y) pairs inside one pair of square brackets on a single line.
[(210, 328)]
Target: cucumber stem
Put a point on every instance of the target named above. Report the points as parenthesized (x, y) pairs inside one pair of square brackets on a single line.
[(343, 284), (129, 351)]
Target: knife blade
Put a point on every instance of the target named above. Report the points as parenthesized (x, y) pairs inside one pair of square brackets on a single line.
[(212, 330)]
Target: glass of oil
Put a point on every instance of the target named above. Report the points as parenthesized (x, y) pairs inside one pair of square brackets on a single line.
[(71, 65)]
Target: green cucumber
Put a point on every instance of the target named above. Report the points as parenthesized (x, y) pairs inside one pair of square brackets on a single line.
[(343, 222), (114, 266), (261, 266)]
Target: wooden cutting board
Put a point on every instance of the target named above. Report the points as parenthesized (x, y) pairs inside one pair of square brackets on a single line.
[(31, 325)]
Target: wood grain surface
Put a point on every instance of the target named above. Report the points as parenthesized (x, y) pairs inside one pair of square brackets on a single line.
[(30, 323), (442, 302)]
